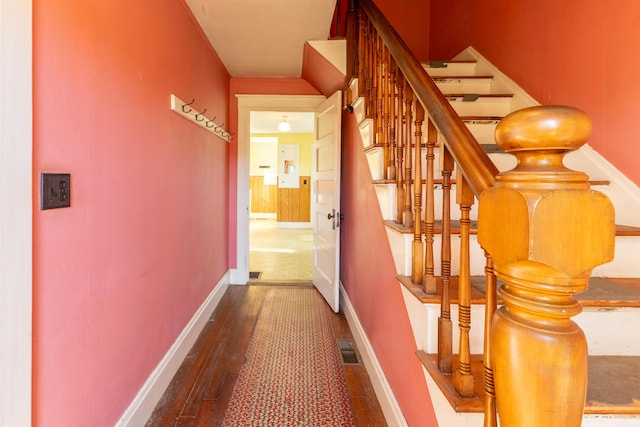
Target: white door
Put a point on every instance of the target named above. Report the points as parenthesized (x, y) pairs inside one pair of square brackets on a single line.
[(325, 199)]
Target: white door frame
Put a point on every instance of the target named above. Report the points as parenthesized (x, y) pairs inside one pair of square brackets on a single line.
[(16, 215), (246, 104)]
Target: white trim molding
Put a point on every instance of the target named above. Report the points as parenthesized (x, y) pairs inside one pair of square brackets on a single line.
[(388, 403), (16, 215), (246, 104), (149, 395)]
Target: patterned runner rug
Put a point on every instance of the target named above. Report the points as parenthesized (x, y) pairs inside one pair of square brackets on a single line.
[(293, 375)]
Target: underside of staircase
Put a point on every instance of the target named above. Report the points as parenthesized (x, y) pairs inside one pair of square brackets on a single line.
[(481, 95)]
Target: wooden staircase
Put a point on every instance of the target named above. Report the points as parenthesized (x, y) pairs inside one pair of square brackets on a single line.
[(611, 305)]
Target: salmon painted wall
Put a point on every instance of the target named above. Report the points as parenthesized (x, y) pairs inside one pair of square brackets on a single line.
[(581, 53), (368, 274), (118, 275), (410, 18), (252, 86)]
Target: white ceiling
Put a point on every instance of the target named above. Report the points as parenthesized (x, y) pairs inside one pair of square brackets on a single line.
[(263, 38)]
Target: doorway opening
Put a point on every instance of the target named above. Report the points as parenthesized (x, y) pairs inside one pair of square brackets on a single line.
[(280, 234)]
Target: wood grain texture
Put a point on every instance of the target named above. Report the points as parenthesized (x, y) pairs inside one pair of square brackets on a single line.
[(200, 392)]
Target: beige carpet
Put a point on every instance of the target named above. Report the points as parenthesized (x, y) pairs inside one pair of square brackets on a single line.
[(280, 254)]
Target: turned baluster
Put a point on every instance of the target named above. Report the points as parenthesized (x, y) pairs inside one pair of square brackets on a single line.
[(463, 379), (400, 147), (407, 215), (429, 280), (379, 125), (390, 118), (445, 329), (371, 82), (362, 53), (545, 230), (417, 272), (393, 100), (490, 419)]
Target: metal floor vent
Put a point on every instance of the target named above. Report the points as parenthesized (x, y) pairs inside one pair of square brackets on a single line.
[(255, 274), (347, 352)]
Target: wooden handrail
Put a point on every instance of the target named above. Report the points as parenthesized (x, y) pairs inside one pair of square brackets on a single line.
[(474, 163)]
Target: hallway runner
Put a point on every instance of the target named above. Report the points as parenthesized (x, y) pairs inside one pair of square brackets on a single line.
[(293, 375)]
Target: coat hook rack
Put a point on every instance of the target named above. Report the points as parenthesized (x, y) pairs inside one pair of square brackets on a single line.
[(186, 110)]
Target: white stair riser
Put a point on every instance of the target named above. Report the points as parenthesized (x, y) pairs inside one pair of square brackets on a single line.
[(445, 414), (610, 421), (452, 69), (493, 107), (387, 200), (366, 132), (456, 86), (375, 158), (604, 328), (402, 251), (625, 262), (483, 130)]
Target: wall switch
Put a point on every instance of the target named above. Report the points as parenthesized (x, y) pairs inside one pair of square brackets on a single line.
[(55, 190)]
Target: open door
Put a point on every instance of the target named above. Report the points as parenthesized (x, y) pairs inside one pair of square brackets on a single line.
[(325, 199)]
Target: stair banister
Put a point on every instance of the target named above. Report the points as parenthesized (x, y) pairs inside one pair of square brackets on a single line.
[(541, 226), (474, 163)]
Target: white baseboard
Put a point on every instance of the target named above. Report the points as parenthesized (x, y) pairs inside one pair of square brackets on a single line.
[(141, 408), (239, 276), (388, 403)]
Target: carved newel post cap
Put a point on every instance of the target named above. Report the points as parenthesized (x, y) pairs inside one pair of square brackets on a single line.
[(545, 127), (541, 211)]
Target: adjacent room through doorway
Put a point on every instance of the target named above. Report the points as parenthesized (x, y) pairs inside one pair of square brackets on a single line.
[(280, 234)]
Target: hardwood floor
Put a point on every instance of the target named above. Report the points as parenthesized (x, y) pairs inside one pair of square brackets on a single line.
[(201, 389)]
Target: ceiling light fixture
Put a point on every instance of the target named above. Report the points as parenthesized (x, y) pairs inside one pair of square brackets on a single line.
[(284, 126)]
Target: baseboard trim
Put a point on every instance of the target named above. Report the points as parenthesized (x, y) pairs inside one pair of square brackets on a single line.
[(386, 398), (141, 408)]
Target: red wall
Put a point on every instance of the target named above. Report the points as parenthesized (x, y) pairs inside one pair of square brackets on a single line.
[(582, 53), (119, 274), (410, 18), (368, 274)]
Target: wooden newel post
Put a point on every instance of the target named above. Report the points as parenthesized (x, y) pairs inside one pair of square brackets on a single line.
[(545, 230)]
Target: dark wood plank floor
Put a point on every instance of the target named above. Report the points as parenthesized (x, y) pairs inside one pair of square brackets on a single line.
[(201, 389)]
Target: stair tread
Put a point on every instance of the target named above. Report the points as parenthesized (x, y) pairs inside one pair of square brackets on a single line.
[(602, 292), (621, 230), (437, 227), (613, 384), (477, 292), (627, 230), (480, 95), (462, 77)]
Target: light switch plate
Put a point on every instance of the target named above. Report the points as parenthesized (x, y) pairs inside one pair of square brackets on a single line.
[(55, 190)]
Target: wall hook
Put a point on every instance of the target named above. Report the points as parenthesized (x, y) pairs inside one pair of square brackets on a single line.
[(199, 118), (201, 114), (210, 121), (188, 103)]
